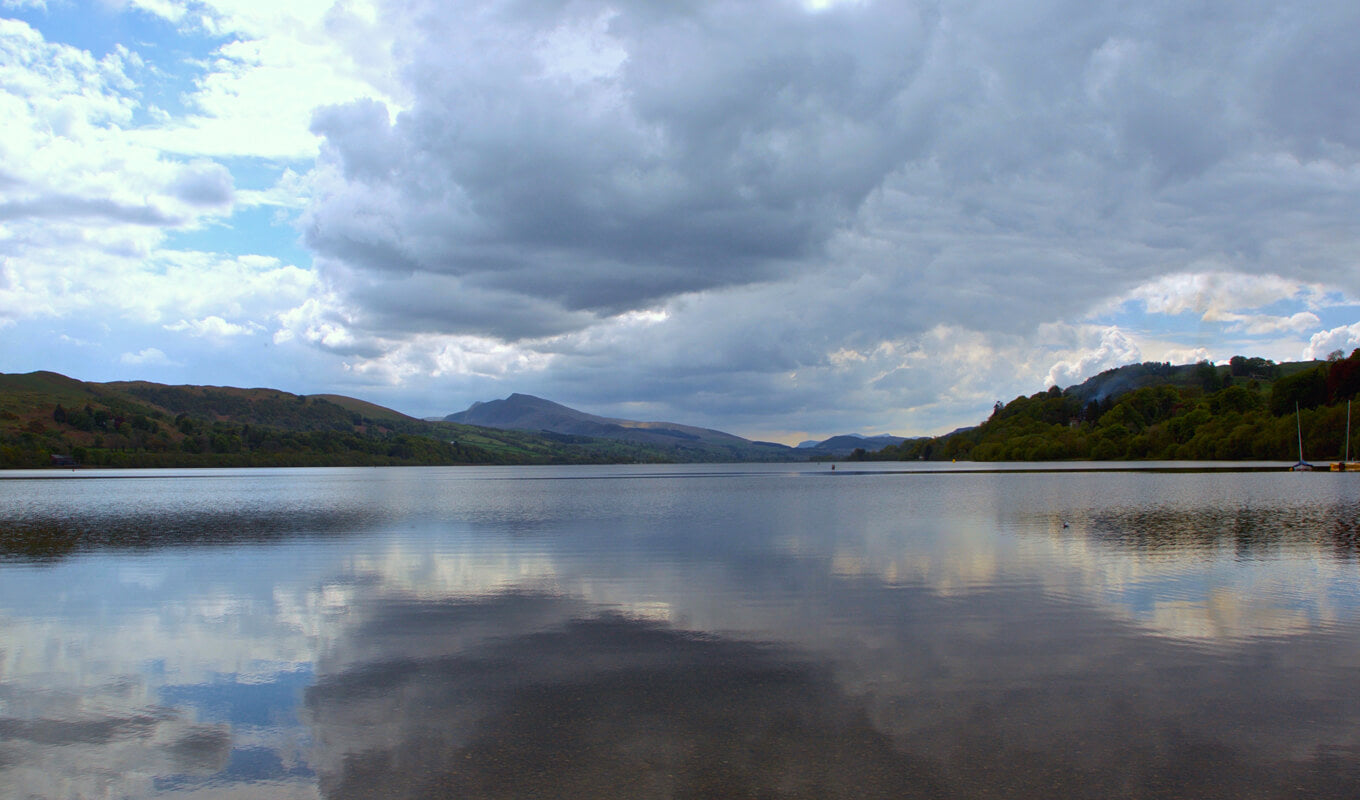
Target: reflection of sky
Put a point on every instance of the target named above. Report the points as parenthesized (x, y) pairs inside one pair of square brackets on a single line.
[(183, 669)]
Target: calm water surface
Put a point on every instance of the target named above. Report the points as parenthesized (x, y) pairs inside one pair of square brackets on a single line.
[(679, 632)]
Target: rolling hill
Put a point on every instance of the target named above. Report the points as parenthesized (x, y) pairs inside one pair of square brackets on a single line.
[(845, 444)]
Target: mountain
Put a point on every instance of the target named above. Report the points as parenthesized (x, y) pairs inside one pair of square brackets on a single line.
[(845, 444), (47, 418), (525, 412)]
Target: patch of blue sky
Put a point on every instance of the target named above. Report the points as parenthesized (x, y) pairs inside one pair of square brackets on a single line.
[(1341, 313), (101, 27), (1190, 325), (249, 701), (76, 346), (174, 56), (262, 230), (164, 88), (259, 174)]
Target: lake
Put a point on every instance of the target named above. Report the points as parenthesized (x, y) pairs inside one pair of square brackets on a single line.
[(683, 631)]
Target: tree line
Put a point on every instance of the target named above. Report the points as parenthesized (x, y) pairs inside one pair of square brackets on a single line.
[(1245, 410)]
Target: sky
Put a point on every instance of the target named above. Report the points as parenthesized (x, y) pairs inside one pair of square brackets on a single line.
[(785, 219)]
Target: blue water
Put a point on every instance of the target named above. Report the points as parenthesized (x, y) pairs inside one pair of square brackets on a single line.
[(687, 631)]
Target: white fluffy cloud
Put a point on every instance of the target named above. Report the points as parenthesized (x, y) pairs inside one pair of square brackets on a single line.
[(278, 62), (212, 326), (1114, 349), (1323, 343), (97, 185), (1216, 296), (149, 356)]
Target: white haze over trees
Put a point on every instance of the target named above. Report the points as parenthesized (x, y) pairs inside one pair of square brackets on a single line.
[(782, 219)]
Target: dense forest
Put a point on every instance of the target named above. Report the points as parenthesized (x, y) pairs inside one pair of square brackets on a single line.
[(1242, 410)]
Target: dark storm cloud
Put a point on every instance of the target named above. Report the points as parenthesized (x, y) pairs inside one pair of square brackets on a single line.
[(420, 301), (790, 185), (726, 146)]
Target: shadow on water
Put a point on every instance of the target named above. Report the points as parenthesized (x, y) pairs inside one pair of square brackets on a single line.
[(608, 706)]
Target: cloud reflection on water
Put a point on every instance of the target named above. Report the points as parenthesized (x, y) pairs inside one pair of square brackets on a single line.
[(957, 702), (949, 628)]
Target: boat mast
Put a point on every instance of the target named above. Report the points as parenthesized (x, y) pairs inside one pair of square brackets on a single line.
[(1298, 422)]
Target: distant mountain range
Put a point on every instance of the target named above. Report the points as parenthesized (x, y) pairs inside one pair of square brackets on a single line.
[(528, 413), (523, 412), (849, 441)]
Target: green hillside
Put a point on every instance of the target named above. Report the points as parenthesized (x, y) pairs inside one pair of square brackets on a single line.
[(49, 419), (1243, 410)]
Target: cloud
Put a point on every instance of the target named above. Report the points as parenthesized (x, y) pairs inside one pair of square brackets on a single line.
[(1115, 349), (835, 211), (57, 206), (1186, 355), (146, 357), (212, 327), (141, 287), (1262, 324), (1345, 338), (595, 160), (203, 184), (669, 158), (1216, 295), (272, 64)]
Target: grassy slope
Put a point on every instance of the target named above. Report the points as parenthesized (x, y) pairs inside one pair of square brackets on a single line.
[(365, 408)]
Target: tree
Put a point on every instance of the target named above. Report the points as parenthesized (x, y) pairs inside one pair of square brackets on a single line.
[(1308, 389), (1206, 374), (1343, 378), (1243, 367)]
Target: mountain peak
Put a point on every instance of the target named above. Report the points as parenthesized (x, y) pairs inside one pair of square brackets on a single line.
[(528, 413)]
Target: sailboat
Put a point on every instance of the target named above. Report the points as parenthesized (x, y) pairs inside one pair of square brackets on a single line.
[(1345, 464), (1302, 466)]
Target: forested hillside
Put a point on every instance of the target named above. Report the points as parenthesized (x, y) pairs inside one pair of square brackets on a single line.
[(49, 419), (1243, 410)]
